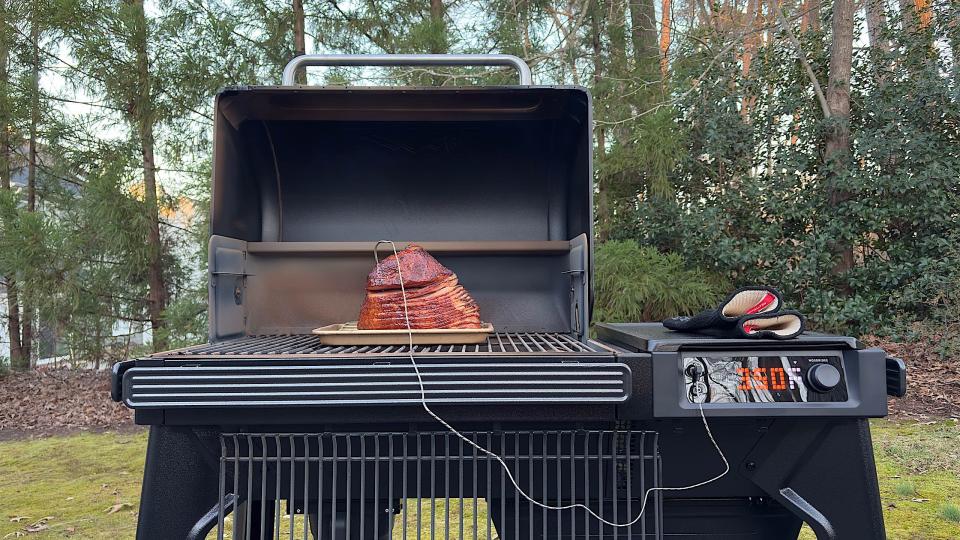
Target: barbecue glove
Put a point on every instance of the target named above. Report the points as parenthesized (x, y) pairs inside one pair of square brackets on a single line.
[(723, 320), (780, 325)]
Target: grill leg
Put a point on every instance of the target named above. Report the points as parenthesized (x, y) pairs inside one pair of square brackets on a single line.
[(250, 511), (179, 484), (822, 472)]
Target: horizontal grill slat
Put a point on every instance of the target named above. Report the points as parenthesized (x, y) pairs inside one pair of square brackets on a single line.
[(376, 384), (371, 384)]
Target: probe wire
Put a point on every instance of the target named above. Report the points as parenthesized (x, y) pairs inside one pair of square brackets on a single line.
[(503, 464)]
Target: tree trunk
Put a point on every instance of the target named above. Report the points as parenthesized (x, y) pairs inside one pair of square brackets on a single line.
[(438, 43), (143, 118), (924, 11), (570, 46), (876, 24), (955, 39), (299, 37), (810, 20), (665, 22), (26, 330), (603, 206), (908, 16), (643, 33), (617, 36), (750, 43), (13, 303), (837, 148)]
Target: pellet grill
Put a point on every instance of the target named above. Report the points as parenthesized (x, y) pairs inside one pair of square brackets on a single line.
[(264, 432)]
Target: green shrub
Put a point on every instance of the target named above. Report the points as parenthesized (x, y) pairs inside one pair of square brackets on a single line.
[(950, 512), (635, 283), (904, 489)]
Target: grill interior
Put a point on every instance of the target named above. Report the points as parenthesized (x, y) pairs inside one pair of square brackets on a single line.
[(308, 345), (433, 485)]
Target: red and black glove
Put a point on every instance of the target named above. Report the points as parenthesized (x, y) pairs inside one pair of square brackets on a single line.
[(753, 312)]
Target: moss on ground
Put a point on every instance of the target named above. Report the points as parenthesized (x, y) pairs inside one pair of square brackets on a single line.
[(82, 486), (925, 456), (88, 485)]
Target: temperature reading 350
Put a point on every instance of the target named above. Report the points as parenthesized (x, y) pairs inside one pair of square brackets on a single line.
[(768, 378)]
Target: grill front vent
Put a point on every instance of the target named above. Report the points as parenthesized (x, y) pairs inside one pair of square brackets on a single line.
[(384, 382), (434, 485)]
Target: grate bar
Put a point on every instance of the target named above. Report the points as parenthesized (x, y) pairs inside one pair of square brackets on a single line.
[(309, 345)]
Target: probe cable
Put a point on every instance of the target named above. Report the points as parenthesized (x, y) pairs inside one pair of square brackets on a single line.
[(426, 407)]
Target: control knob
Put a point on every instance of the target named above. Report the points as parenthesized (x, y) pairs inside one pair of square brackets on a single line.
[(823, 377)]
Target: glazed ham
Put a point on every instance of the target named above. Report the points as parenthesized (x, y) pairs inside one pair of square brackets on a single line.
[(434, 297)]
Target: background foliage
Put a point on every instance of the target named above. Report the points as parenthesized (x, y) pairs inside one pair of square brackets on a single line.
[(715, 163)]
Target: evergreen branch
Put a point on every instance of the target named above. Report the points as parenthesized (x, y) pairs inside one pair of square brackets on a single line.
[(357, 26), (802, 57), (172, 226)]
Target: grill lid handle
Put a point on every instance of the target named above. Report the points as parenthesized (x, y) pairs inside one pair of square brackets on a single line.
[(507, 60)]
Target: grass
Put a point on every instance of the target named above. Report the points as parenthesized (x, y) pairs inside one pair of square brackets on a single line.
[(904, 489), (88, 485), (83, 486), (950, 512)]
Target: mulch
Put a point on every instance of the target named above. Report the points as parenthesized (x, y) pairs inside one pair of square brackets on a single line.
[(56, 401), (933, 380), (59, 401)]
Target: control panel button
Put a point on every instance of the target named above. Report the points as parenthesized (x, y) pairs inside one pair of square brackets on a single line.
[(823, 377)]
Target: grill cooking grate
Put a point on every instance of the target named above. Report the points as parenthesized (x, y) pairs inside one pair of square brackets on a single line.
[(433, 485), (303, 345)]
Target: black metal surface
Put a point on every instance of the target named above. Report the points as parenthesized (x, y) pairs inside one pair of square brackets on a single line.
[(402, 485), (653, 337), (361, 164), (896, 377), (471, 380), (832, 481), (864, 373), (307, 345)]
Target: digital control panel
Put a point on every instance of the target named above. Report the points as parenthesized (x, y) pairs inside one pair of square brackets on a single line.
[(763, 378)]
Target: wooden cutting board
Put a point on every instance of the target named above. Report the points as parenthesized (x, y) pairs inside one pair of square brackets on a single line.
[(349, 334)]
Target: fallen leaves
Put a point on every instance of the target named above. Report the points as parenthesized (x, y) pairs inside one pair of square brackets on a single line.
[(56, 400), (118, 507), (933, 381)]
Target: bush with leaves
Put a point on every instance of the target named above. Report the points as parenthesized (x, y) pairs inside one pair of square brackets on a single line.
[(636, 283), (753, 196)]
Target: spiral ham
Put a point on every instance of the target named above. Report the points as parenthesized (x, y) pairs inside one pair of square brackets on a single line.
[(435, 299)]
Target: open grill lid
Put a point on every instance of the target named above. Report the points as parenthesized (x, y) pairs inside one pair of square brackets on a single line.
[(496, 182)]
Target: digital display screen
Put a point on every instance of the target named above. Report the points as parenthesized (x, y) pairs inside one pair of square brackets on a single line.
[(768, 378), (757, 379)]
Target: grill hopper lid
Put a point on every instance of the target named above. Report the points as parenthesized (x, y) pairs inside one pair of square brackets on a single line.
[(494, 181)]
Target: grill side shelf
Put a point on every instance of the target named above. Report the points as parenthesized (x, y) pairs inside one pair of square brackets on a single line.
[(503, 381)]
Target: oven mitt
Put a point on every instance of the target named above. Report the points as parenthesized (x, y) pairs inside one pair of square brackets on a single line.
[(782, 325), (753, 300)]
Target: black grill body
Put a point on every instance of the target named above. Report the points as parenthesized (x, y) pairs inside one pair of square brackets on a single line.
[(264, 432)]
